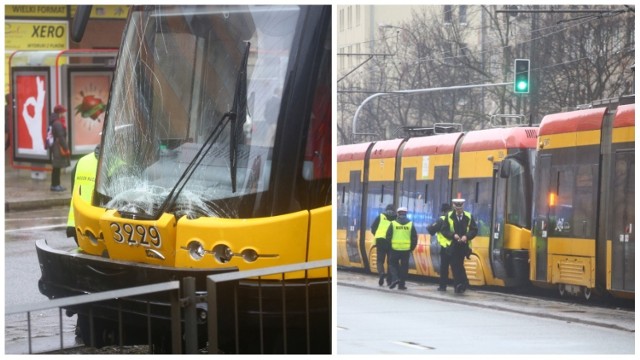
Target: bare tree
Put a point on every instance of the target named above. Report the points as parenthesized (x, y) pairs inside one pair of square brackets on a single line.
[(576, 58)]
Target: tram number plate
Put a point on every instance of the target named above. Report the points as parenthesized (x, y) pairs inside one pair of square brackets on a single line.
[(136, 235)]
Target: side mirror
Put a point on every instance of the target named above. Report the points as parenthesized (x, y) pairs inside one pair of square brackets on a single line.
[(505, 168)]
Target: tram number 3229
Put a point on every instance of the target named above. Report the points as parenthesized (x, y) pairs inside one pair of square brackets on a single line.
[(136, 235)]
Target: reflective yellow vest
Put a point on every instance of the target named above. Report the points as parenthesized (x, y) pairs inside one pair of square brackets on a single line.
[(85, 177), (383, 226), (401, 239), (442, 240)]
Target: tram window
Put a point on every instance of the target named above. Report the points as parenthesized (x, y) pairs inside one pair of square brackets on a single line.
[(344, 190), (382, 194), (482, 207), (516, 197), (426, 192), (543, 174), (317, 164), (624, 192), (477, 191), (584, 212), (564, 206)]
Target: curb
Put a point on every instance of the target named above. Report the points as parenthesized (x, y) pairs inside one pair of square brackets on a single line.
[(35, 204)]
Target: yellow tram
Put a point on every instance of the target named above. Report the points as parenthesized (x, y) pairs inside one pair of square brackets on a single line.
[(215, 157), (554, 203)]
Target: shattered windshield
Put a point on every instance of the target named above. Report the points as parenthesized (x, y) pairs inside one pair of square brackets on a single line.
[(194, 107)]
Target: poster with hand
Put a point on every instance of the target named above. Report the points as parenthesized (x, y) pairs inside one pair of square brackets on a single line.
[(31, 93)]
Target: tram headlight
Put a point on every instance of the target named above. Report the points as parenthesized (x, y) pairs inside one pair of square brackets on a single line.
[(249, 255), (222, 253), (196, 250)]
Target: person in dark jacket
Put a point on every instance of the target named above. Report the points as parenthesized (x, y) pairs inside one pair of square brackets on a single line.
[(445, 245), (403, 237), (460, 229), (58, 159), (379, 229)]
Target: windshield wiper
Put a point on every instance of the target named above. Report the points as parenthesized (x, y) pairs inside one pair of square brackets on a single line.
[(237, 117)]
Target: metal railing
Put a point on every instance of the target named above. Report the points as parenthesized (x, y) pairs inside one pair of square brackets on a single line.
[(173, 286), (186, 307), (212, 290)]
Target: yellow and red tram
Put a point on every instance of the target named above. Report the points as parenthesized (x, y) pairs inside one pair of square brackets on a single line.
[(584, 210), (554, 203), (422, 173)]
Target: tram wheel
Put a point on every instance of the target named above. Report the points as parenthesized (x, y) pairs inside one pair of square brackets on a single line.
[(586, 292)]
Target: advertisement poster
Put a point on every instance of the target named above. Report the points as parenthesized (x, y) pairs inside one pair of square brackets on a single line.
[(89, 93), (30, 87)]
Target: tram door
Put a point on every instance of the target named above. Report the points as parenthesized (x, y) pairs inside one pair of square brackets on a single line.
[(496, 240), (623, 211), (354, 216), (541, 226)]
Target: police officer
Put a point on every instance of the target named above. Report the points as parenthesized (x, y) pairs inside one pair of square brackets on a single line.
[(403, 238), (445, 245), (84, 175), (460, 229), (383, 247)]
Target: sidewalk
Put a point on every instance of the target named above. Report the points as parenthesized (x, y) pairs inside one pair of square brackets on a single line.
[(22, 192)]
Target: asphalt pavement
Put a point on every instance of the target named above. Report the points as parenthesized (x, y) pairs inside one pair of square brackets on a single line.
[(620, 319), (26, 189)]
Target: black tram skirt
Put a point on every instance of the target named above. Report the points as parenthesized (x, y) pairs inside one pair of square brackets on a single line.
[(291, 316)]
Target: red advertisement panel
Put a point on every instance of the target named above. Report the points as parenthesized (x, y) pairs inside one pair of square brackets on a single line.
[(31, 92)]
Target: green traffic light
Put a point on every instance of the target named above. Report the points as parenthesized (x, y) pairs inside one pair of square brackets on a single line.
[(522, 86), (521, 69)]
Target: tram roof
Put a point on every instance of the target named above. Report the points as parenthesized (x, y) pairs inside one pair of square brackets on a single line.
[(625, 116), (431, 145), (500, 138), (573, 121), (352, 151), (386, 149)]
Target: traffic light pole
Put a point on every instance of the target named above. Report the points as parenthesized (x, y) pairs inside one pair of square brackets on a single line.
[(411, 92)]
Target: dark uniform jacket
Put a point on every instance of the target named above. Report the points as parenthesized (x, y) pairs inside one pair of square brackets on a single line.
[(460, 227)]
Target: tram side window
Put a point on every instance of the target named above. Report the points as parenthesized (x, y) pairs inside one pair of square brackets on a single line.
[(516, 197), (482, 210), (623, 209), (584, 205), (564, 208), (343, 220), (316, 169), (477, 192), (317, 164), (378, 197)]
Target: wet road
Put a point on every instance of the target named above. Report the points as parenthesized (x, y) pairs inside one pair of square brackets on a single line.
[(22, 272), (421, 320)]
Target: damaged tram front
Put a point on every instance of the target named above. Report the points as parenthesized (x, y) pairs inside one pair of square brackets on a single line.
[(215, 157)]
